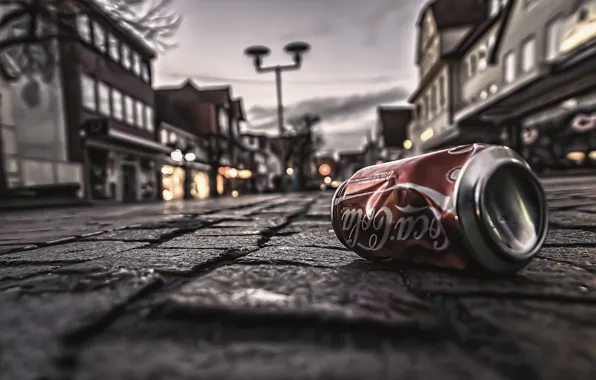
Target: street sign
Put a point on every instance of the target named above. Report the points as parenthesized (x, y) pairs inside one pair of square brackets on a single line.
[(96, 127)]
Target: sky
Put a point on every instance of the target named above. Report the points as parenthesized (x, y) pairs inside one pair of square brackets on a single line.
[(362, 56)]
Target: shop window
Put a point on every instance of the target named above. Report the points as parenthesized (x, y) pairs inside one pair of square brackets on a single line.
[(117, 109), (84, 28), (140, 114), (220, 184), (509, 70), (129, 110), (126, 60), (99, 36), (114, 47), (200, 186), (88, 92), (553, 38), (528, 55), (103, 94), (149, 121), (172, 182)]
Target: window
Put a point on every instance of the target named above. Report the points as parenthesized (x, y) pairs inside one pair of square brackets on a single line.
[(528, 55), (129, 110), (99, 35), (163, 136), (103, 94), (83, 27), (145, 72), (149, 118), (172, 137), (427, 108), (126, 57), (553, 38), (114, 47), (482, 58), (117, 110), (136, 63), (88, 92), (494, 7), (509, 67), (140, 114)]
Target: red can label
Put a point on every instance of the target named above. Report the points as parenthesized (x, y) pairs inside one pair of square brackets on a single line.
[(404, 209)]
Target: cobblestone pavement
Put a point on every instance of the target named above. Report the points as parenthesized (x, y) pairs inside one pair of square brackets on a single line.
[(259, 288)]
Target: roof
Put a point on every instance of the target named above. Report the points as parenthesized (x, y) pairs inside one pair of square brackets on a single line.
[(456, 13), (219, 95), (394, 124), (167, 112), (137, 41)]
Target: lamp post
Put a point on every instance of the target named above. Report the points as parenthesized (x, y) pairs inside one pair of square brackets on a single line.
[(297, 51), (185, 156)]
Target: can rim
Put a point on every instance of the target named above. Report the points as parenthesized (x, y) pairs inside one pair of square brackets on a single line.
[(335, 195), (469, 199)]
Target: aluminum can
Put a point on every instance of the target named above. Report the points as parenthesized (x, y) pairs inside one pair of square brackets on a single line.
[(476, 206)]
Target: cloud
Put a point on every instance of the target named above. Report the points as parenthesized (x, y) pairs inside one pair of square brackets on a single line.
[(330, 109), (322, 28)]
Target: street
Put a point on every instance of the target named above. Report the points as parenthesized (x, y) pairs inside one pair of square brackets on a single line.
[(258, 287)]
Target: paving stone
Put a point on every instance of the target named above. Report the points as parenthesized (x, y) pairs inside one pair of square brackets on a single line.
[(302, 255), (39, 315), (541, 279), (565, 203), (253, 223), (572, 219), (72, 252), (212, 242), (230, 231), (19, 272), (164, 260), (323, 239), (4, 249), (563, 237), (584, 257), (135, 235), (182, 225), (285, 210), (501, 331), (142, 359), (321, 293)]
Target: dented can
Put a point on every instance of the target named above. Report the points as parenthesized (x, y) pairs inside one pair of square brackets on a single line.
[(475, 206)]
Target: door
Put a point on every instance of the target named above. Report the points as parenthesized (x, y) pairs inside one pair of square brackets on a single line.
[(129, 183)]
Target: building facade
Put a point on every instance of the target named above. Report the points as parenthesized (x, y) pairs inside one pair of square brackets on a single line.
[(392, 131), (522, 76)]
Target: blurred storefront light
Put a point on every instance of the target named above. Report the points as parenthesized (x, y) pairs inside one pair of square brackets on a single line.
[(289, 171), (407, 144), (324, 170), (244, 174), (592, 155), (327, 180), (177, 155), (429, 133), (576, 156), (190, 156), (323, 187), (335, 184), (235, 193)]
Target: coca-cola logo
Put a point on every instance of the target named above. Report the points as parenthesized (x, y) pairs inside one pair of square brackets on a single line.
[(417, 223)]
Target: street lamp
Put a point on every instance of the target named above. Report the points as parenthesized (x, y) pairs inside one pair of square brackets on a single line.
[(257, 53)]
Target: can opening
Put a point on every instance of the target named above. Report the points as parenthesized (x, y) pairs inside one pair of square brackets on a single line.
[(511, 204)]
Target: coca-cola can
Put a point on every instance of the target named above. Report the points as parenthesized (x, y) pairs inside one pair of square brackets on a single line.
[(475, 206)]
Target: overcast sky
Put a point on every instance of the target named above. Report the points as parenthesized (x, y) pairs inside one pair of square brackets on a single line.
[(362, 56)]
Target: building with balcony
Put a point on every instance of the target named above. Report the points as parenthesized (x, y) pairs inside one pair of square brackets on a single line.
[(442, 27), (538, 90)]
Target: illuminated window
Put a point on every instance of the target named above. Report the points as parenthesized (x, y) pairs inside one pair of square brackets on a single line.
[(129, 110), (140, 114), (83, 27), (88, 92), (136, 63), (114, 47), (103, 95), (509, 67), (220, 184), (118, 110), (553, 38), (99, 35), (528, 55), (163, 136), (126, 60), (150, 123)]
